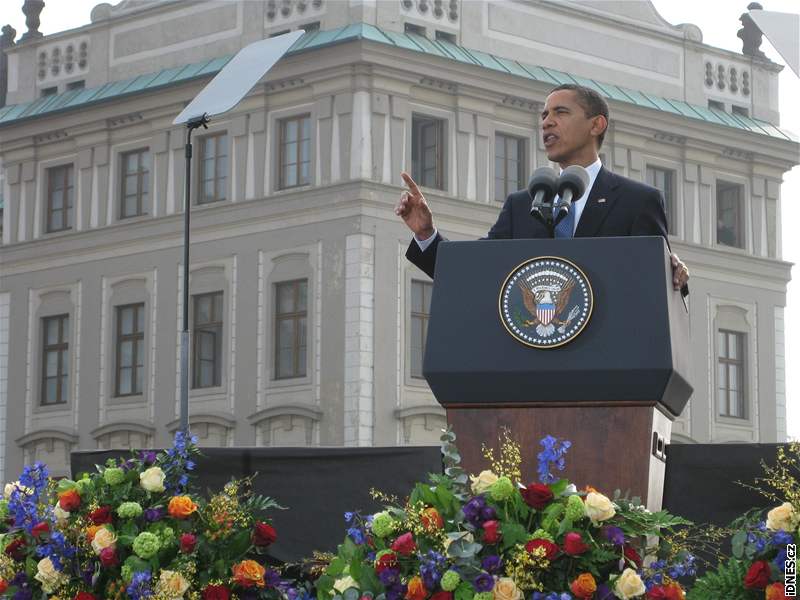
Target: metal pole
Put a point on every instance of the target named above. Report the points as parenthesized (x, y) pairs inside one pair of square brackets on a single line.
[(184, 406)]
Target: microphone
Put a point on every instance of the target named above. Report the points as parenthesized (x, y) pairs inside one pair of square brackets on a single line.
[(571, 185), (542, 189)]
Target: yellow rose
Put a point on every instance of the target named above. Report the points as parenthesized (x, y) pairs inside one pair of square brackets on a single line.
[(152, 480), (506, 589), (60, 514), (598, 507), (782, 517), (172, 584), (629, 585), (482, 482), (47, 575), (343, 584), (103, 538)]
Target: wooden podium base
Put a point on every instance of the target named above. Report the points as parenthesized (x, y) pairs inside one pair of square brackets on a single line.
[(619, 446)]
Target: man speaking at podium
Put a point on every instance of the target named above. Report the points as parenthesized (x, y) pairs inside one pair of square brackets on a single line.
[(574, 123)]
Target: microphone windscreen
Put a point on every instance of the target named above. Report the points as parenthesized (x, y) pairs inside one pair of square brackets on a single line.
[(544, 179), (574, 178)]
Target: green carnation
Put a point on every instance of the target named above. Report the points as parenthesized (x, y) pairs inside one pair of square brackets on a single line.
[(502, 489), (114, 476), (575, 508), (129, 510), (127, 573), (383, 525), (84, 487), (146, 545), (450, 581), (164, 532), (483, 596), (541, 534)]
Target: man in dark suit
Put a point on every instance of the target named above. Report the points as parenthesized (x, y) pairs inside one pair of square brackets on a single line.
[(574, 123)]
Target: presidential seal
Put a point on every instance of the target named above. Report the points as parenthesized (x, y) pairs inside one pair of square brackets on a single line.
[(546, 302)]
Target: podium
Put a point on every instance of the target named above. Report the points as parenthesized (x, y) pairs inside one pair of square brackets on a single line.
[(613, 390)]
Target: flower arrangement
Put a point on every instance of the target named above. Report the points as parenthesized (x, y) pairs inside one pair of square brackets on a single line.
[(134, 529), (492, 537)]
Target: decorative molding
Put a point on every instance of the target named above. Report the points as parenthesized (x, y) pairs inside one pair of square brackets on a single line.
[(439, 84), (50, 136), (62, 59), (124, 119), (420, 410), (670, 138), (736, 153), (65, 435), (297, 410), (142, 427), (523, 103), (281, 11), (443, 11), (285, 84), (223, 419)]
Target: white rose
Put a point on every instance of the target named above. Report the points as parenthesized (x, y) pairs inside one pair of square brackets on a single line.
[(482, 482), (506, 589), (152, 479), (172, 584), (598, 507), (629, 585), (60, 514), (47, 575), (103, 538), (343, 584), (10, 487), (782, 517)]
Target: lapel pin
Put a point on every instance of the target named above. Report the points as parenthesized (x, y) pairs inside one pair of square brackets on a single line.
[(601, 200)]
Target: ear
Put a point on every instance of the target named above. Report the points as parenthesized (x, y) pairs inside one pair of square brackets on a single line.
[(599, 125)]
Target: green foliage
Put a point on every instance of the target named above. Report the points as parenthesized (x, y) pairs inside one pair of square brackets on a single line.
[(723, 583)]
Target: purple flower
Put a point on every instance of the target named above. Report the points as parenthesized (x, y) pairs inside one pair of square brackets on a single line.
[(472, 510), (492, 564), (488, 513), (389, 577), (614, 535), (604, 593), (553, 454), (396, 591), (151, 515), (272, 578), (148, 457), (483, 582)]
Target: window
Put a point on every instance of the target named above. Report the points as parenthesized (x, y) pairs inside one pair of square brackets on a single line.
[(76, 85), (59, 198), (730, 374), (207, 334), (49, 91), (295, 152), (742, 111), (427, 151), (664, 180), (716, 105), (415, 29), (420, 313), (730, 214), (213, 169), (310, 27), (443, 36), (134, 183), (291, 312), (55, 360), (509, 165), (130, 349)]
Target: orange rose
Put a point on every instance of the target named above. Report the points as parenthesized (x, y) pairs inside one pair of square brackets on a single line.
[(69, 500), (3, 586), (91, 531), (181, 507), (416, 589), (584, 586), (431, 519), (248, 573), (776, 591)]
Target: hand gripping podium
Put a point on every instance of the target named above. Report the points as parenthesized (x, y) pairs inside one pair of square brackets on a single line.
[(613, 390)]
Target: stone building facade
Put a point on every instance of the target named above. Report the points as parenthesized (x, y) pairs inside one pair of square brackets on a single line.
[(308, 323)]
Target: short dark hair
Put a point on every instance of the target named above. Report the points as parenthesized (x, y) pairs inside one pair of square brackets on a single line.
[(592, 103)]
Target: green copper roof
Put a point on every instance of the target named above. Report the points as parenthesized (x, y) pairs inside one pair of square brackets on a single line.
[(408, 41)]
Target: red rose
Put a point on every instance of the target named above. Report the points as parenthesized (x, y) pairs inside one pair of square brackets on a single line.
[(216, 592), (264, 534), (3, 586), (40, 529), (404, 544), (108, 557), (442, 596), (386, 561), (551, 550), (672, 591), (491, 532), (573, 544), (633, 556), (757, 577), (16, 549), (69, 500), (84, 596), (101, 516), (537, 495), (188, 542)]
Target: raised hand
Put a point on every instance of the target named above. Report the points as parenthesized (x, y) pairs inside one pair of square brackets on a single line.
[(680, 272), (414, 209)]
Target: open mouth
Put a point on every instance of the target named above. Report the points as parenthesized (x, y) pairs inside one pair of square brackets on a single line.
[(550, 139)]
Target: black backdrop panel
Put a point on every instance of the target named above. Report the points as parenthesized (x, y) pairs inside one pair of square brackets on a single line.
[(701, 486), (318, 485)]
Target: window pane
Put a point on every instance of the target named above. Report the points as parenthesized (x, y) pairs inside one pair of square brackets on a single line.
[(416, 296), (125, 381), (206, 374), (285, 298), (126, 320), (285, 366), (51, 390), (138, 384), (51, 364), (306, 127), (65, 388), (733, 377), (290, 176), (126, 354), (203, 307), (301, 334), (222, 145), (735, 408), (722, 347), (51, 326), (500, 146), (207, 345), (291, 131), (209, 146), (733, 345), (302, 294), (285, 334), (499, 190)]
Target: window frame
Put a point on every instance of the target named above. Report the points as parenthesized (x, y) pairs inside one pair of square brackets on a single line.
[(60, 347), (741, 217), (425, 318), (418, 121), (215, 327), (670, 203), (299, 371), (282, 122), (200, 199), (137, 338), (522, 162), (68, 192), (723, 392), (141, 191)]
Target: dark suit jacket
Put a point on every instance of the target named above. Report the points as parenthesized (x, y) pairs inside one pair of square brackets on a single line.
[(630, 208)]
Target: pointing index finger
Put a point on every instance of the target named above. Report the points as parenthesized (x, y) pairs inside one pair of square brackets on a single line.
[(410, 182)]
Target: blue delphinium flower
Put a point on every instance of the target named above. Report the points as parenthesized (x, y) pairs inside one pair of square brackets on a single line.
[(357, 535), (781, 538), (177, 463), (552, 455), (139, 586), (432, 565), (780, 560)]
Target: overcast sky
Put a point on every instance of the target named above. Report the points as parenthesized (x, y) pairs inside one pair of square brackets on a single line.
[(719, 21)]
